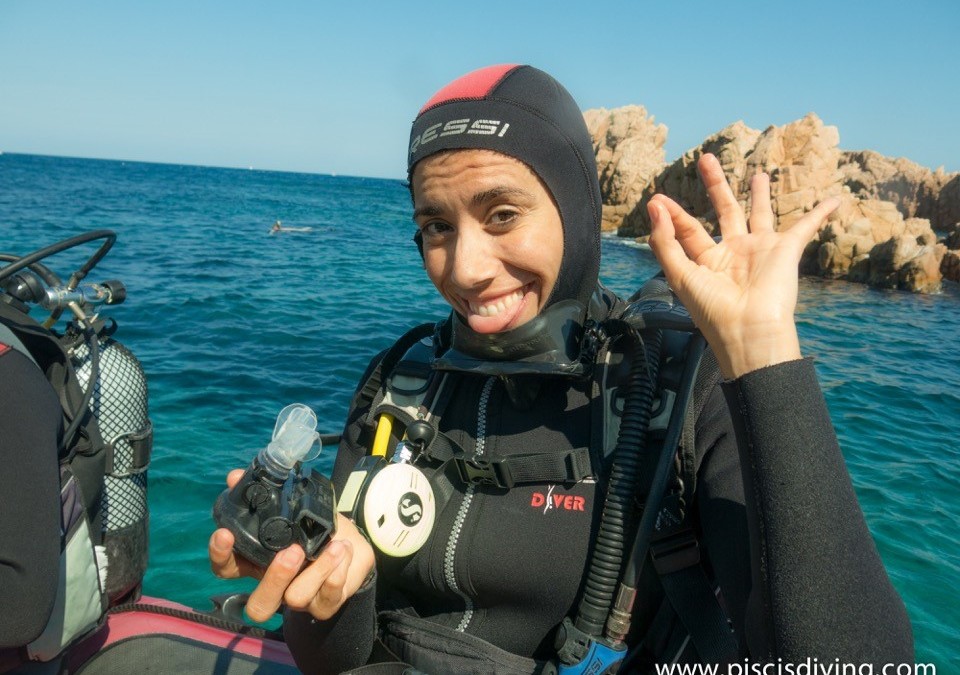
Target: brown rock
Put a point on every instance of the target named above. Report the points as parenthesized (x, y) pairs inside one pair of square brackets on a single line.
[(801, 159), (912, 188), (920, 228), (840, 248), (859, 271), (833, 261), (629, 150), (948, 207), (888, 257), (922, 273), (952, 240), (882, 233), (885, 220), (681, 181), (950, 265), (901, 262)]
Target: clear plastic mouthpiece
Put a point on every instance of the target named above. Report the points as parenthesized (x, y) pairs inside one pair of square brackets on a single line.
[(293, 436)]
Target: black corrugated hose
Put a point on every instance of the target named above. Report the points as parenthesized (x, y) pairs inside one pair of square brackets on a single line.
[(619, 509)]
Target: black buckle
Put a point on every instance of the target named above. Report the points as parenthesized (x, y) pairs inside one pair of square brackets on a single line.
[(483, 472), (675, 553), (141, 445)]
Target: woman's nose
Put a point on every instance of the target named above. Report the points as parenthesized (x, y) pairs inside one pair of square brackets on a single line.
[(475, 262)]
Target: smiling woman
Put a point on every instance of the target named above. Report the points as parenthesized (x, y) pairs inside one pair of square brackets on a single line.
[(492, 236), (525, 428)]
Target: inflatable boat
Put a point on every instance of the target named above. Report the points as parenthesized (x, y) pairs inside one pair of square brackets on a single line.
[(155, 635)]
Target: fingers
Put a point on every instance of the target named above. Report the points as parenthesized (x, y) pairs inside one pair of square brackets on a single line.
[(689, 232), (729, 213), (761, 211), (805, 228), (320, 587), (234, 477), (664, 242), (224, 562), (266, 598), (220, 551)]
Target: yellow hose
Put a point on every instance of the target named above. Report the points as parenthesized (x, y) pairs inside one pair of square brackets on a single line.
[(382, 438)]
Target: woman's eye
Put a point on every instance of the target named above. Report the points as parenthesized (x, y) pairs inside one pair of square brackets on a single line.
[(435, 229), (503, 217)]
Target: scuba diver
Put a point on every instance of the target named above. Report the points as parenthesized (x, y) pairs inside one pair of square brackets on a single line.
[(75, 442), (30, 433), (555, 479)]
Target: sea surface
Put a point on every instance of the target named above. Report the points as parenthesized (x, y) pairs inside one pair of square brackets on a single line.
[(232, 324)]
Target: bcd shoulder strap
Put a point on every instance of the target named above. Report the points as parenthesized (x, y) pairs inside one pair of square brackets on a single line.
[(373, 390), (675, 550)]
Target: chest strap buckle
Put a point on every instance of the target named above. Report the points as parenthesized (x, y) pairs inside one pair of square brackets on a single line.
[(565, 468), (484, 472)]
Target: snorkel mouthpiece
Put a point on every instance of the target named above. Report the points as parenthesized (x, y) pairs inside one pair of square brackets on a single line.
[(293, 435)]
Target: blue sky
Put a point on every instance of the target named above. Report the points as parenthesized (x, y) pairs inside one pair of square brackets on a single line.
[(332, 87)]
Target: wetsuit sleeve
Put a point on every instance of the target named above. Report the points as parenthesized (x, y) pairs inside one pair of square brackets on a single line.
[(720, 507), (341, 643), (346, 640), (819, 588), (30, 422)]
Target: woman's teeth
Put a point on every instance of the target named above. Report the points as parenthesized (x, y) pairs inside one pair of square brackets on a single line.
[(495, 308)]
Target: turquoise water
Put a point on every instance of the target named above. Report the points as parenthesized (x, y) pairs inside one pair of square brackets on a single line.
[(231, 324)]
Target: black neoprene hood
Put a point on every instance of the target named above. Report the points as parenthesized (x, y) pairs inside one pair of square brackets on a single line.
[(524, 113)]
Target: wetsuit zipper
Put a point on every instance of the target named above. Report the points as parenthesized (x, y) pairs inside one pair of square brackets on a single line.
[(449, 557)]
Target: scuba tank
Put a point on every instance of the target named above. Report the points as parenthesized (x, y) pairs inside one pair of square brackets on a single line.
[(110, 453), (119, 403)]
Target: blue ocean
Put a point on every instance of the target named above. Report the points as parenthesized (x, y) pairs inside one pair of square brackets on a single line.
[(232, 324)]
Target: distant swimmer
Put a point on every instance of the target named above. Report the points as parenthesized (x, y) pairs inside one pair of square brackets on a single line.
[(278, 227)]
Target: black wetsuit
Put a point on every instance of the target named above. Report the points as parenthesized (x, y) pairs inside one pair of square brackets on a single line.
[(799, 573), (30, 424)]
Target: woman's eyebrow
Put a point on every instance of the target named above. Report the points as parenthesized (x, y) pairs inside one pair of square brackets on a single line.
[(500, 191), (480, 198), (430, 211)]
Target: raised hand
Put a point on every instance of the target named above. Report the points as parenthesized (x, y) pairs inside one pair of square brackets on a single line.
[(742, 291), (319, 588)]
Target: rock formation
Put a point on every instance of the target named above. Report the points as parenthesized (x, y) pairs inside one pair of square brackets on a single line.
[(948, 206), (629, 149), (912, 188), (881, 234)]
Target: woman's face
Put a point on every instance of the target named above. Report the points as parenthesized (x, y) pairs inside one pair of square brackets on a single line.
[(492, 236)]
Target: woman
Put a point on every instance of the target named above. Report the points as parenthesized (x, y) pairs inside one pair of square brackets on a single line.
[(507, 206)]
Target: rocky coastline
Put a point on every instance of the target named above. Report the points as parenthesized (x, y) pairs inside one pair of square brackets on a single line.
[(898, 225)]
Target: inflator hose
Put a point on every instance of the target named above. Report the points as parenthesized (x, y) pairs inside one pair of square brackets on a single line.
[(619, 509), (49, 277), (26, 261)]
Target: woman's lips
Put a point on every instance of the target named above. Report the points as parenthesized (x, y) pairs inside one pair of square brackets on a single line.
[(498, 306), (497, 314)]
